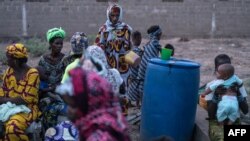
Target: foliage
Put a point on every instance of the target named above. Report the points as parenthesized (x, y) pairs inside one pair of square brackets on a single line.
[(3, 58), (36, 47)]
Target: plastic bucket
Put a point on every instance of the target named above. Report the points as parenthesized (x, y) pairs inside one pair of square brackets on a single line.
[(132, 58), (165, 53)]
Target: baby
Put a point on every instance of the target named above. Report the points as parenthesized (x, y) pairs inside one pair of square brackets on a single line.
[(227, 88)]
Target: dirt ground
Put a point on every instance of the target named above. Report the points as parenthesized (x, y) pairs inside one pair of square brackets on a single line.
[(202, 51)]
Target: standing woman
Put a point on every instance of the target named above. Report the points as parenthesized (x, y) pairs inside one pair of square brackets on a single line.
[(20, 87), (114, 38), (54, 66)]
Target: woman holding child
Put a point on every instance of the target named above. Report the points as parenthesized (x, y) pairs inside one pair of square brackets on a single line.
[(54, 66)]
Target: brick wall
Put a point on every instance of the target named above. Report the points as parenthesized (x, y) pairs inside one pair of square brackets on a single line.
[(189, 18)]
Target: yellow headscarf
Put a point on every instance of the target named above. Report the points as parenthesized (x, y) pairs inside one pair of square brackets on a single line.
[(17, 50), (55, 32)]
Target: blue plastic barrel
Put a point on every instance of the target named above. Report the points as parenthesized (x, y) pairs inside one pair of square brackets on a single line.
[(170, 99)]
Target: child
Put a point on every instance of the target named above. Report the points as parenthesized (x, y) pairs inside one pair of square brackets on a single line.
[(45, 89), (133, 89), (151, 50), (228, 106), (212, 100), (221, 59), (169, 46), (44, 86)]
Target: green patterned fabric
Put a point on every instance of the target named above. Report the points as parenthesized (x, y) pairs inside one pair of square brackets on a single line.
[(216, 132)]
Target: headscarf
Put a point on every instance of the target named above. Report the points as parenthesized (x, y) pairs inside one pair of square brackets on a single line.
[(98, 53), (79, 42), (112, 75), (17, 50), (100, 108), (55, 32), (114, 7), (155, 33), (119, 25)]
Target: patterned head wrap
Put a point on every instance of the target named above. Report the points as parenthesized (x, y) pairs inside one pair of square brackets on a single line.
[(17, 50), (114, 7), (155, 33), (79, 42), (55, 32), (96, 52)]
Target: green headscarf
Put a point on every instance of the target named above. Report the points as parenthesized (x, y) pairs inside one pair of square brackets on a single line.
[(55, 32)]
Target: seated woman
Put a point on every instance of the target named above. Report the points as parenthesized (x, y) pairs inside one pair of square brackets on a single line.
[(20, 87), (93, 107), (54, 66), (79, 43)]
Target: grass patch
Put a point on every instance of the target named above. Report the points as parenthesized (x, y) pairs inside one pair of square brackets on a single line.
[(3, 58), (35, 46)]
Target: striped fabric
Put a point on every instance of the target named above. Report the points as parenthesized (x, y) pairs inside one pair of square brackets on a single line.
[(151, 50), (133, 86)]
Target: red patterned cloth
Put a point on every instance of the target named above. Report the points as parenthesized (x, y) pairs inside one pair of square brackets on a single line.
[(102, 118)]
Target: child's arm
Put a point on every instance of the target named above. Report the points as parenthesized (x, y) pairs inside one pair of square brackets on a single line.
[(207, 91)]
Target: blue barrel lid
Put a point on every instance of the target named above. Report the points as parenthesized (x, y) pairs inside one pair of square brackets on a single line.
[(175, 62)]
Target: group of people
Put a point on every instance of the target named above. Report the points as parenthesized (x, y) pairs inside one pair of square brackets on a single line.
[(92, 85)]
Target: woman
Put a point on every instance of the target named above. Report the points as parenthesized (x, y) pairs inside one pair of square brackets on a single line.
[(93, 107), (79, 43), (151, 50), (54, 66), (114, 38), (111, 75), (20, 87)]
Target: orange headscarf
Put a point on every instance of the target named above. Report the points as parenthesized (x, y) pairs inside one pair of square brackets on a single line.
[(17, 50)]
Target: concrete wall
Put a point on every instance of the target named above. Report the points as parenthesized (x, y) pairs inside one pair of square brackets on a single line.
[(190, 18)]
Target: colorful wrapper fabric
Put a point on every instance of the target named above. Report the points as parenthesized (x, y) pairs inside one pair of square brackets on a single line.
[(17, 50), (79, 42)]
